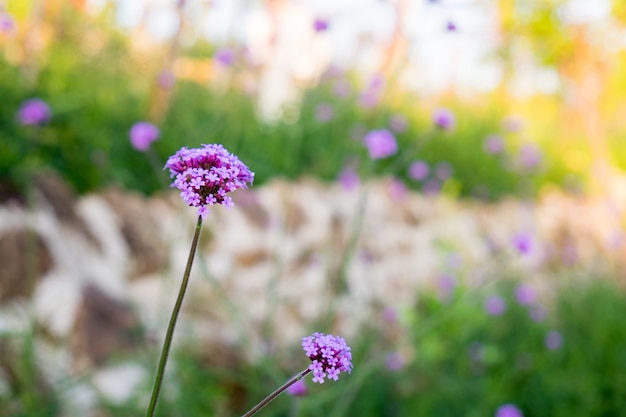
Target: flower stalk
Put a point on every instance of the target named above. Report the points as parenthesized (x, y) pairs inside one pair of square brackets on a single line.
[(158, 381), (277, 392)]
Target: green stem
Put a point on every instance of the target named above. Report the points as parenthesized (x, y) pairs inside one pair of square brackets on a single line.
[(170, 328), (276, 393)]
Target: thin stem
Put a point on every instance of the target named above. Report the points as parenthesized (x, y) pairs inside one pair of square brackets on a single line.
[(170, 328), (276, 393)]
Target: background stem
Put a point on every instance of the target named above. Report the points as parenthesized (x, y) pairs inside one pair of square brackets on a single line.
[(276, 393)]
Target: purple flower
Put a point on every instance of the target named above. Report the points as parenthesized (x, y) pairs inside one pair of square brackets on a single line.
[(523, 243), (205, 175), (324, 112), (394, 361), (495, 305), (418, 170), (320, 25), (298, 389), (329, 356), (380, 143), (494, 144), (529, 156), (166, 79), (349, 179), (390, 314), (225, 56), (398, 123), (342, 88), (553, 340), (34, 112), (513, 124), (537, 313), (7, 24), (370, 97), (397, 190), (451, 27), (142, 134), (444, 119), (508, 410), (443, 171), (446, 285), (525, 294), (432, 187)]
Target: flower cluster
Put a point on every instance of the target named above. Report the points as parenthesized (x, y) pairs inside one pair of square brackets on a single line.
[(329, 356), (34, 112), (380, 143), (142, 134), (205, 175)]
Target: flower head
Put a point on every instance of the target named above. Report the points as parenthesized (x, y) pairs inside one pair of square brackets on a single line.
[(225, 56), (329, 356), (525, 294), (142, 134), (508, 410), (34, 112), (553, 340), (495, 305), (298, 389), (494, 144), (418, 170), (320, 25), (205, 175), (380, 143), (443, 119)]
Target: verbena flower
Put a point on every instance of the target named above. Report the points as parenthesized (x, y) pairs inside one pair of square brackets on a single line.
[(298, 389), (495, 305), (206, 175), (525, 294), (380, 143), (444, 119), (324, 112), (494, 144), (451, 27), (142, 134), (320, 25), (418, 170), (329, 356), (34, 112), (553, 340), (523, 243), (225, 56), (508, 410)]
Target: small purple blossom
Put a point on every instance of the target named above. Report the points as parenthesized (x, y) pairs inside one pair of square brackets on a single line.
[(390, 314), (494, 144), (349, 179), (320, 25), (205, 175), (446, 285), (330, 355), (508, 410), (443, 171), (397, 190), (529, 156), (34, 112), (166, 79), (553, 340), (523, 242), (432, 187), (495, 305), (444, 119), (324, 112), (342, 88), (450, 26), (525, 294), (225, 56), (418, 170), (298, 389), (142, 134), (380, 143), (370, 97), (7, 24), (398, 123), (394, 361)]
